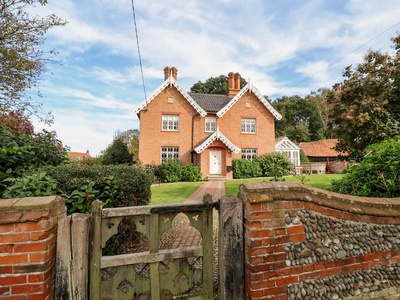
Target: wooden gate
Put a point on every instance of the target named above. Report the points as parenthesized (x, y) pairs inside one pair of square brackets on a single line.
[(154, 274)]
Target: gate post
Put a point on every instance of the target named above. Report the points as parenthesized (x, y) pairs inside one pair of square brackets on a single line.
[(230, 248), (95, 257)]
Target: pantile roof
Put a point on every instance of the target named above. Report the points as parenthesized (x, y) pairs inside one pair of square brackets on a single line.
[(79, 155), (322, 148)]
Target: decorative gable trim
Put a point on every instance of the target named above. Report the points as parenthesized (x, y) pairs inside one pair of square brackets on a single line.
[(171, 82), (217, 135), (285, 144), (249, 87)]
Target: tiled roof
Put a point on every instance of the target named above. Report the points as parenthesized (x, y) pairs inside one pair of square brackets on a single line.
[(211, 103), (79, 155), (322, 148)]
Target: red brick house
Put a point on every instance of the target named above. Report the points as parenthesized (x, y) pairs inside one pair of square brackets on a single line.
[(206, 130)]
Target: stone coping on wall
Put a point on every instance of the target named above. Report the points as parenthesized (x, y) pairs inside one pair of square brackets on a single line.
[(30, 209), (264, 192)]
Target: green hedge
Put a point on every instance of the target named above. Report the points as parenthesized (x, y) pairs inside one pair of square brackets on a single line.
[(115, 186)]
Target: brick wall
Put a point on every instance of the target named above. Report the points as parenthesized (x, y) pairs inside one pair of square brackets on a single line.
[(306, 243), (28, 229)]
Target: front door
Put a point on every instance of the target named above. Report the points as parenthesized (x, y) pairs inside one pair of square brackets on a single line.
[(215, 162)]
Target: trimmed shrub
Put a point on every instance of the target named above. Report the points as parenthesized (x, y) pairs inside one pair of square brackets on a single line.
[(191, 173), (378, 174), (115, 186), (243, 168), (171, 170), (275, 165)]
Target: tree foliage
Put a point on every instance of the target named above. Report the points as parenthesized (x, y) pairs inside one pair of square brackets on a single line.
[(131, 139), (214, 85), (22, 59), (365, 107), (117, 153), (378, 174), (301, 121)]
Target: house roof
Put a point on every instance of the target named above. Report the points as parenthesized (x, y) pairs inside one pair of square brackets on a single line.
[(79, 155), (322, 148), (169, 82), (217, 135), (211, 103), (251, 89), (283, 143)]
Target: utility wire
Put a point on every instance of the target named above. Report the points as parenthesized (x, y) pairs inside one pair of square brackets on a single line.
[(138, 49), (332, 63)]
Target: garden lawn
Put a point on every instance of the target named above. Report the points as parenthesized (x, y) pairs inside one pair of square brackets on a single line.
[(318, 181), (172, 192)]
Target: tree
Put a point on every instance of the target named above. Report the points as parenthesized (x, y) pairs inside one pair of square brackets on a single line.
[(214, 85), (16, 122), (22, 60), (300, 119), (131, 139), (365, 107), (319, 100), (117, 153)]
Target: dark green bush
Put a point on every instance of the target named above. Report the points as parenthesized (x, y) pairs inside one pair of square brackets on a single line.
[(22, 152), (378, 174), (243, 168), (275, 165), (35, 185)]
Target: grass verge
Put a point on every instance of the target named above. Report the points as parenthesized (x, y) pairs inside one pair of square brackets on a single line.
[(172, 192), (318, 181)]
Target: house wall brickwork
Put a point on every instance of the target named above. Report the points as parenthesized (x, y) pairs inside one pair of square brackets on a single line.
[(307, 243), (152, 138), (171, 101), (28, 230)]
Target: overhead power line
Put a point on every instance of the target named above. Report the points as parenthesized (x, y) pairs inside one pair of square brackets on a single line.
[(351, 52), (138, 49)]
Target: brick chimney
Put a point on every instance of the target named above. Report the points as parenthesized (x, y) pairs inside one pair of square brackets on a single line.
[(233, 83), (167, 72), (170, 71)]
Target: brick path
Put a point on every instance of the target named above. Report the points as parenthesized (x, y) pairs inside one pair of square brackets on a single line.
[(189, 236)]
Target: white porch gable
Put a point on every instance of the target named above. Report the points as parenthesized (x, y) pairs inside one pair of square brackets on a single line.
[(217, 135)]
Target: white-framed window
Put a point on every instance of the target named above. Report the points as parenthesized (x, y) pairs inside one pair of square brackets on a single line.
[(249, 154), (169, 153), (292, 155), (248, 125), (211, 124), (170, 123)]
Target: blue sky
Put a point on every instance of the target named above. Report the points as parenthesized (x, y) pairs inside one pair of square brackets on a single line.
[(276, 44)]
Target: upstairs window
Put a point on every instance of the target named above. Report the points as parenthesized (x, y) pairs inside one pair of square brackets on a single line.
[(170, 123), (211, 124), (249, 126), (249, 154), (169, 153)]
